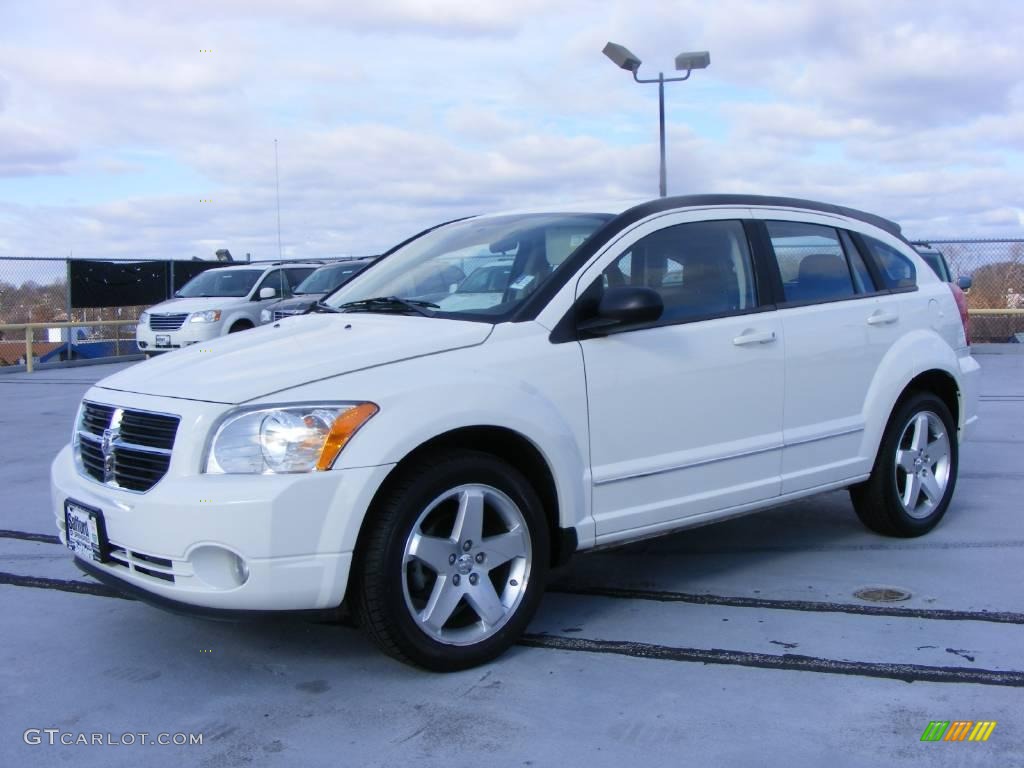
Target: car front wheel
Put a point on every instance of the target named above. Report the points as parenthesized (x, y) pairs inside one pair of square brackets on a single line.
[(915, 471), (454, 562)]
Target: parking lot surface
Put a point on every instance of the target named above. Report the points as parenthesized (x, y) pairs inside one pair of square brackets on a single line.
[(741, 643)]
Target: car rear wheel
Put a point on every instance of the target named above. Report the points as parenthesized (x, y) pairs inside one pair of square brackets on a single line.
[(453, 565), (915, 471)]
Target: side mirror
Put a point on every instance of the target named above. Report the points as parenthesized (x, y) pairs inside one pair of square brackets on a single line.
[(453, 287), (964, 282), (268, 293), (625, 305)]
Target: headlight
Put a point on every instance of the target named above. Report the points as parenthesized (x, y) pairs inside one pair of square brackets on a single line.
[(209, 316), (305, 438), (143, 318), (265, 316)]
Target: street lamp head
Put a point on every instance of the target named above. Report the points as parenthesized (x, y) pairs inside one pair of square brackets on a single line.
[(693, 60), (622, 57)]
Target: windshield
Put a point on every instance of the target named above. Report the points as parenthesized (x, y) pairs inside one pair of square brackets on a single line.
[(220, 282), (487, 280), (328, 278), (431, 267)]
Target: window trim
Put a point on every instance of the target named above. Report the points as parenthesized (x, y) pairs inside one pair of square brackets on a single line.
[(566, 328), (846, 240)]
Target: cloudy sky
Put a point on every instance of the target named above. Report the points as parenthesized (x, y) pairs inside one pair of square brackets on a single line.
[(147, 128)]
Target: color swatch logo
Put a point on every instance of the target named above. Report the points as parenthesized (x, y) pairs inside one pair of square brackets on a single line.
[(958, 730)]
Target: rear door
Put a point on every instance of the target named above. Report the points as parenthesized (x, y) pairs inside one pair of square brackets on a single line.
[(685, 413), (839, 324)]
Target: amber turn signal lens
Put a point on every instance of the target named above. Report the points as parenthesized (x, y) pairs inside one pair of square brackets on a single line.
[(344, 427)]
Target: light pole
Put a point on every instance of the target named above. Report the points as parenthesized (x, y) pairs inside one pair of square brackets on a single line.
[(624, 58)]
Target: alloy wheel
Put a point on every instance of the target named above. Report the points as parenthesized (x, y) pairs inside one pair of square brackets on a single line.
[(922, 464), (466, 564)]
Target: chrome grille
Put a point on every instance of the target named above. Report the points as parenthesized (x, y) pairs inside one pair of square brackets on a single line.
[(124, 448), (167, 322), (279, 314)]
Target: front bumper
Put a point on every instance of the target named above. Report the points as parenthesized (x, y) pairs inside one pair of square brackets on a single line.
[(294, 535), (188, 333)]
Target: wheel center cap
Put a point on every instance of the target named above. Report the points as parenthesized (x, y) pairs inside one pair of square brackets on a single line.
[(464, 564)]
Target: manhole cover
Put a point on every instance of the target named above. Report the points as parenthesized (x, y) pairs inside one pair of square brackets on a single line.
[(882, 594)]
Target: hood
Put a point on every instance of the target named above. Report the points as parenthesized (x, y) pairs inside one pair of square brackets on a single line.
[(243, 366), (198, 304)]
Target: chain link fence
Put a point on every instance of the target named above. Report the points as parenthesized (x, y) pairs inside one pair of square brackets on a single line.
[(37, 290), (996, 269)]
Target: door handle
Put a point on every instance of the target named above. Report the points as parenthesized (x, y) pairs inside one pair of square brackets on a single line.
[(881, 317), (754, 337)]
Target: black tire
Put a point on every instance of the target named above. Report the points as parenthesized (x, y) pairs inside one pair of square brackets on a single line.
[(241, 325), (381, 574), (877, 500)]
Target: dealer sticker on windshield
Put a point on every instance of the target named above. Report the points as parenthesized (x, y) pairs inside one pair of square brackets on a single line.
[(522, 282)]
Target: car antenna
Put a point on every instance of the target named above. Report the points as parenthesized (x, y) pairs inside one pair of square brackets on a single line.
[(277, 186)]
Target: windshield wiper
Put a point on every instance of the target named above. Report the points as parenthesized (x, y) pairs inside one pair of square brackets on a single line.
[(390, 304)]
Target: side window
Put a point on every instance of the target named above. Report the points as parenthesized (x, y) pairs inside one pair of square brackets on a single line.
[(701, 269), (861, 276), (897, 270), (811, 262), (275, 280), (295, 276)]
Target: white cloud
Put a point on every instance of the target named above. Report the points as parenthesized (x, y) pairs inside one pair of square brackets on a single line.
[(395, 115)]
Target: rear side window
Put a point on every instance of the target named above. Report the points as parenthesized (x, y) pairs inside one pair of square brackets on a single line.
[(701, 270), (811, 262), (897, 271), (296, 275)]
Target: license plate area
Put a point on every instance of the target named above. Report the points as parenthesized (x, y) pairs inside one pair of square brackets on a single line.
[(163, 340), (86, 532)]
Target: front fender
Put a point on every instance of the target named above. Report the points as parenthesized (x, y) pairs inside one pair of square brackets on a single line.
[(403, 425), (536, 390), (233, 316)]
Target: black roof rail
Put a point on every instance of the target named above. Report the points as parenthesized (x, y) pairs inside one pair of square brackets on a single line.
[(701, 201)]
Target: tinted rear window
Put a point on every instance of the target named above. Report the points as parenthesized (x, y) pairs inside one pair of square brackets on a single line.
[(897, 270)]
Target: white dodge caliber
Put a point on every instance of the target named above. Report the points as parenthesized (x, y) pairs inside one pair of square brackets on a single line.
[(643, 369)]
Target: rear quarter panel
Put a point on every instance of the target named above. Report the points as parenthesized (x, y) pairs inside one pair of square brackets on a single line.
[(930, 340)]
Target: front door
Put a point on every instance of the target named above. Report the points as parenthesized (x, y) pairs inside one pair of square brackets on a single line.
[(685, 414)]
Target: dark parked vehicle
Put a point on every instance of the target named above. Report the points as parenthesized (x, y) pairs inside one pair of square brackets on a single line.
[(935, 259), (320, 283)]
